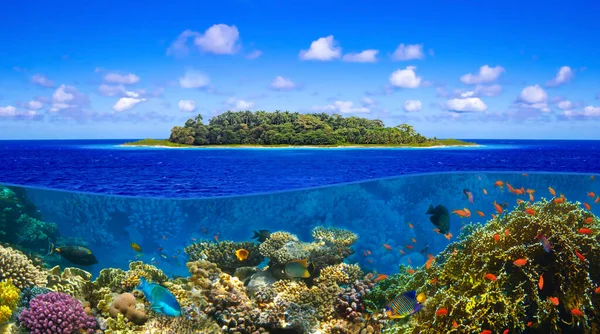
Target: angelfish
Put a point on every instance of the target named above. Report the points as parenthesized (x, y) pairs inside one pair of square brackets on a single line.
[(544, 241)]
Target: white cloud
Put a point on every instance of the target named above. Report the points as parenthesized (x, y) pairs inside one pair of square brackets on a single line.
[(238, 105), (323, 49), (281, 83), (194, 79), (342, 107), (127, 79), (406, 78), (34, 105), (187, 105), (179, 47), (254, 54), (564, 75), (8, 111), (412, 105), (470, 104), (565, 105), (533, 94), (366, 56), (486, 74), (591, 111), (219, 39), (481, 90), (126, 103), (408, 52), (107, 90), (367, 101), (61, 95), (42, 80)]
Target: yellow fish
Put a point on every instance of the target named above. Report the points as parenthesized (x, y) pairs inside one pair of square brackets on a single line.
[(241, 254), (136, 247)]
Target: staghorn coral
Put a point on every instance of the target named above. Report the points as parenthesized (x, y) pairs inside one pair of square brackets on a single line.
[(514, 298), (139, 269), (223, 254), (16, 266), (56, 312), (9, 298), (72, 281)]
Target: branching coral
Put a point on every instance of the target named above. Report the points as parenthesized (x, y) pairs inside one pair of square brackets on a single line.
[(223, 254), (511, 298), (16, 266), (282, 247), (56, 313)]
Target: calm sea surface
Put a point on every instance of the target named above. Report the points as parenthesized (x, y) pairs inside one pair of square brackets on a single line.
[(101, 166)]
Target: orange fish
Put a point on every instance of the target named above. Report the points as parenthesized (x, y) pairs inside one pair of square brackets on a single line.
[(559, 200), (597, 200), (481, 214), (441, 312), (496, 237), (554, 300), (588, 220), (597, 290), (530, 191), (505, 331), (529, 324), (491, 277), (584, 231), (386, 246), (380, 277), (552, 191), (365, 254), (576, 312), (499, 184), (592, 177), (531, 198), (430, 260), (530, 211), (541, 282), (498, 208), (410, 271), (493, 216), (461, 213), (581, 257), (409, 246), (484, 191), (525, 174), (519, 201), (454, 324), (591, 194), (587, 206), (433, 281), (401, 251), (520, 262), (370, 261), (410, 225), (369, 252), (507, 232), (216, 237), (413, 240), (241, 254), (448, 235), (486, 331)]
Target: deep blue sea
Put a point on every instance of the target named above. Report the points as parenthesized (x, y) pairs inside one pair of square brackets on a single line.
[(101, 166)]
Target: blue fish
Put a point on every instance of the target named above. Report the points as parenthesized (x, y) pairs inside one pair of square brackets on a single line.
[(161, 300)]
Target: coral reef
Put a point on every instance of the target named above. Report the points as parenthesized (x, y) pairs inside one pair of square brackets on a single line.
[(138, 269), (15, 266), (125, 305), (72, 281), (350, 304), (9, 298), (223, 254), (57, 313), (34, 233)]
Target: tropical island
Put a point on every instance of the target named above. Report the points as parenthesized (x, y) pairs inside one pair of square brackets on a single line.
[(277, 129)]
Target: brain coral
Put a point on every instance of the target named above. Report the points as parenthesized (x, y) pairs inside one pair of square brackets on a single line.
[(16, 266)]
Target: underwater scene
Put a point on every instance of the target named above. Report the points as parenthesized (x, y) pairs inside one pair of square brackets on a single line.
[(469, 252)]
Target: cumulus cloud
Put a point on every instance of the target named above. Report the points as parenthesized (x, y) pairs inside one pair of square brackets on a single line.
[(486, 74), (194, 79), (124, 79), (126, 103), (34, 105), (591, 111), (470, 104), (564, 75), (324, 48), (408, 52), (217, 39), (406, 78), (565, 105), (8, 111), (588, 112), (108, 90), (412, 105), (534, 97), (342, 107), (281, 83), (14, 114), (42, 80), (239, 105), (187, 105), (68, 98), (366, 56), (254, 54)]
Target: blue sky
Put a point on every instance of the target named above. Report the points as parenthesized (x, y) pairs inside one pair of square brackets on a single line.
[(461, 69)]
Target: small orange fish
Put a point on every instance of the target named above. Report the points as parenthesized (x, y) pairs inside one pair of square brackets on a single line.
[(493, 216), (496, 237), (370, 261), (433, 281), (441, 312), (531, 198), (589, 220), (552, 191), (491, 277), (576, 312), (430, 260), (365, 254), (461, 213), (554, 300), (484, 191), (413, 240), (409, 246), (529, 324), (509, 187), (241, 254), (520, 262), (558, 200), (410, 271), (530, 211), (597, 290), (454, 324), (581, 257), (587, 206), (386, 246), (597, 200), (448, 236), (506, 331), (486, 331), (369, 252), (498, 208), (591, 194), (380, 277), (481, 214), (525, 174), (194, 239), (519, 201), (401, 251), (592, 177), (164, 237), (216, 237), (584, 231), (410, 225), (541, 282), (506, 232), (499, 184), (530, 191)]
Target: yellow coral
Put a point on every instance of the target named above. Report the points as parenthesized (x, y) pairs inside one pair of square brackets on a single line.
[(9, 297)]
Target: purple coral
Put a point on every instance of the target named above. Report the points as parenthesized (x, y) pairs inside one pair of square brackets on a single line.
[(349, 304), (56, 313)]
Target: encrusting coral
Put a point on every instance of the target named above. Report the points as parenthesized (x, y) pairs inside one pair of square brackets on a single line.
[(15, 266), (223, 254), (125, 304), (516, 297)]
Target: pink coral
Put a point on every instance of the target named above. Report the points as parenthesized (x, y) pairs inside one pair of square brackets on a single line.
[(56, 313)]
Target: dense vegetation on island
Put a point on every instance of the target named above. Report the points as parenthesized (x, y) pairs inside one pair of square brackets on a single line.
[(292, 128)]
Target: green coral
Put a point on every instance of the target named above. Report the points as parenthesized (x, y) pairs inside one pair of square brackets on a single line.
[(110, 278), (72, 281), (223, 254), (34, 232), (9, 298), (514, 298)]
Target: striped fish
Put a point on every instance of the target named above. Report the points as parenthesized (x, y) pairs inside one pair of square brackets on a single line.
[(403, 305)]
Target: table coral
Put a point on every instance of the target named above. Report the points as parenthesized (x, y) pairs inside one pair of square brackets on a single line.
[(222, 253), (16, 266)]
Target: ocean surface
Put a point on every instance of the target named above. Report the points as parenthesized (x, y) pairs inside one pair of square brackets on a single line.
[(101, 166)]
